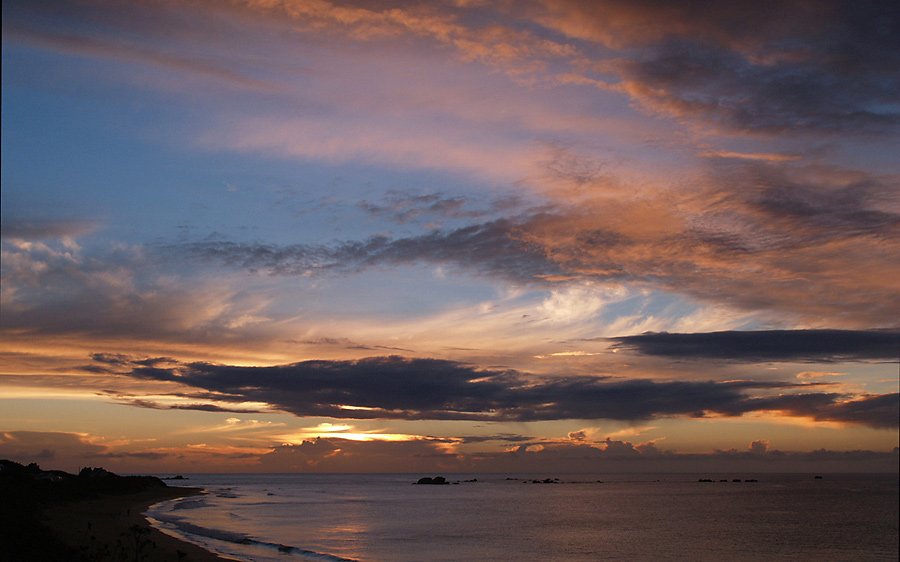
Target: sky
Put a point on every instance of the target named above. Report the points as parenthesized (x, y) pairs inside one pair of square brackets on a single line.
[(451, 236)]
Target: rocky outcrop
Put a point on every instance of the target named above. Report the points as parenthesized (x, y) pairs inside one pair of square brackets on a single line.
[(437, 480)]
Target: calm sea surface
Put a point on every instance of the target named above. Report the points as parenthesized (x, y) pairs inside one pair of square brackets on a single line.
[(506, 518)]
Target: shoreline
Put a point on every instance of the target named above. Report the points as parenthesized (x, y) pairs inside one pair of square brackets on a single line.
[(105, 527)]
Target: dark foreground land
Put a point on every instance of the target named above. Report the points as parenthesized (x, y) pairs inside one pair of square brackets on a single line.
[(50, 515)]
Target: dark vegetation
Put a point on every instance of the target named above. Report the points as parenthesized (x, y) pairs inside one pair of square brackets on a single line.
[(26, 490)]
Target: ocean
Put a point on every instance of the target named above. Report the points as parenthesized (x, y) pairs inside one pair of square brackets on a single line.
[(520, 518)]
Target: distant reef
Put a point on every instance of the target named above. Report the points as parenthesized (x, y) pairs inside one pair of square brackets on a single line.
[(26, 490)]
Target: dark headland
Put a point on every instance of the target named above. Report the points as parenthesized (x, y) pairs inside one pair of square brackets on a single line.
[(54, 516)]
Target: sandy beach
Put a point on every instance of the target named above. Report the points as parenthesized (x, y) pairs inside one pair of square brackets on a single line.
[(104, 528)]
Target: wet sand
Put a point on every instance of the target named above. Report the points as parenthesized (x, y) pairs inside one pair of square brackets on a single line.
[(105, 528)]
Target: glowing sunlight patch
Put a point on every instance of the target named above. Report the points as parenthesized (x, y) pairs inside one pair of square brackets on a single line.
[(566, 354), (342, 431)]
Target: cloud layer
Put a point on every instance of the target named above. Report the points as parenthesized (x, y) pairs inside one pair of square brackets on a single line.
[(609, 456), (810, 243), (237, 201), (429, 455), (770, 345), (778, 67), (432, 389), (783, 235)]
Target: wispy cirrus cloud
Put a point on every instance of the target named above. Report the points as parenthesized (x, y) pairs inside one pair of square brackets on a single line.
[(815, 243), (46, 229), (777, 66), (122, 50), (491, 247)]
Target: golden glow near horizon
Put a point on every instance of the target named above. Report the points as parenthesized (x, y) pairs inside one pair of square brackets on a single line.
[(453, 235)]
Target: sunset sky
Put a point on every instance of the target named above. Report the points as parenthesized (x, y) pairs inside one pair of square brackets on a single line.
[(450, 235)]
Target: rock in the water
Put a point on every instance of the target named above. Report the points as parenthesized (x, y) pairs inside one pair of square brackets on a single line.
[(436, 480)]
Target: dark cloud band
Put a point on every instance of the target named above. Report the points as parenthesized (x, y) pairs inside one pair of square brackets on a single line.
[(418, 389), (770, 345)]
